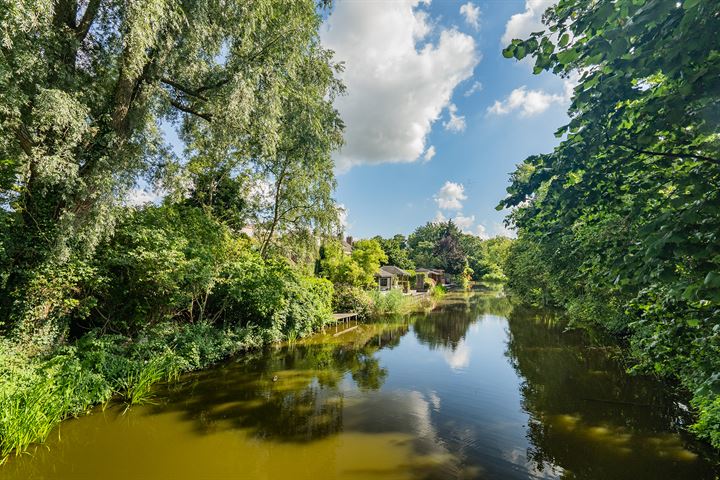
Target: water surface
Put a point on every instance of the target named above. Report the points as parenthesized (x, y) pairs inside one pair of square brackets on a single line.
[(471, 390)]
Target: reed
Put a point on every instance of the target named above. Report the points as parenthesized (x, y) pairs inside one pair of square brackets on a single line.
[(137, 387)]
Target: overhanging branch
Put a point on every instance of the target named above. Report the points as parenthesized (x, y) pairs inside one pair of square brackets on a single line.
[(184, 89), (668, 154), (186, 109)]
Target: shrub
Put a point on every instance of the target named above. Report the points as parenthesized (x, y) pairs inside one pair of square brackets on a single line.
[(390, 302), (438, 292), (352, 299), (273, 296)]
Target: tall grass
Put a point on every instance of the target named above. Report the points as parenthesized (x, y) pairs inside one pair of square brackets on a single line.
[(292, 337), (37, 393), (27, 416), (136, 388), (394, 302), (438, 292)]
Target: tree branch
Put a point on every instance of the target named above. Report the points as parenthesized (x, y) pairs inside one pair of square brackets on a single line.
[(86, 22), (668, 154), (26, 142), (183, 89), (186, 109), (213, 86)]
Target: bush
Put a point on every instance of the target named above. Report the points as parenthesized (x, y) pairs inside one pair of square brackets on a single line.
[(390, 302), (163, 262), (352, 299), (438, 292), (273, 296)]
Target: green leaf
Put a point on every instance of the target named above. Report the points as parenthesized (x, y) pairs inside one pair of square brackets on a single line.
[(712, 280)]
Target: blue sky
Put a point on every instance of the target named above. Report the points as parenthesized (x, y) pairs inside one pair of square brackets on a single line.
[(436, 117), (385, 192)]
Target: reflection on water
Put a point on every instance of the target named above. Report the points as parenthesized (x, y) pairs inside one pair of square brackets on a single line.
[(472, 390)]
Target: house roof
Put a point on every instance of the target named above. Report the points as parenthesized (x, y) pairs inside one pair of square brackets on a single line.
[(383, 274), (430, 270), (394, 270), (346, 247)]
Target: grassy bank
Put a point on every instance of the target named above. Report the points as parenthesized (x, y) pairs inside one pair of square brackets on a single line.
[(368, 303), (36, 393)]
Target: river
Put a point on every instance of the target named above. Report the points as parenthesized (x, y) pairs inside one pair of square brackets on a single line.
[(474, 389)]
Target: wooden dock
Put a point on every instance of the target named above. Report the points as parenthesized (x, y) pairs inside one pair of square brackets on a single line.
[(344, 318)]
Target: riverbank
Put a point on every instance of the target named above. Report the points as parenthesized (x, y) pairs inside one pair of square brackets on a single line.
[(38, 392)]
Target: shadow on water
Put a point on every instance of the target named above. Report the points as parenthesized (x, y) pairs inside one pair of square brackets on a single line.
[(588, 415)]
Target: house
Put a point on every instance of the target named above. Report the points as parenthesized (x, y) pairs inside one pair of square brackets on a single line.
[(390, 276), (436, 274), (385, 280)]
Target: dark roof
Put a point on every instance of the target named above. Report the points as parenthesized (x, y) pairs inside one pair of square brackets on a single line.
[(394, 270)]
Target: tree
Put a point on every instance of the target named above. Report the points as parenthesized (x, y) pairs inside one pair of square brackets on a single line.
[(450, 254), (357, 269), (84, 87), (396, 249), (369, 256), (338, 267), (626, 210), (422, 244)]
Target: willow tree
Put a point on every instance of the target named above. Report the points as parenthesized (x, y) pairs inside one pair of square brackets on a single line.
[(84, 87)]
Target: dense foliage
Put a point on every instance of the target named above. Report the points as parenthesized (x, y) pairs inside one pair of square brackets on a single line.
[(620, 222), (356, 269), (85, 89), (99, 296)]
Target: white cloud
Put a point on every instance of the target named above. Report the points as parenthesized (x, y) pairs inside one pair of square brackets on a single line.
[(342, 215), (138, 197), (439, 218), (456, 123), (521, 25), (475, 87), (527, 102), (459, 358), (429, 153), (497, 230), (464, 222), (472, 15), (398, 83), (450, 196)]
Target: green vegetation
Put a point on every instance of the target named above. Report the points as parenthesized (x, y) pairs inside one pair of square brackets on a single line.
[(619, 224), (442, 245), (357, 269), (101, 298)]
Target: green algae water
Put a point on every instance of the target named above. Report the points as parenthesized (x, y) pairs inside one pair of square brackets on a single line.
[(473, 389)]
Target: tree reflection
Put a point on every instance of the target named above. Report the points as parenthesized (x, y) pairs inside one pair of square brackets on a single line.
[(586, 412), (448, 326), (286, 394)]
